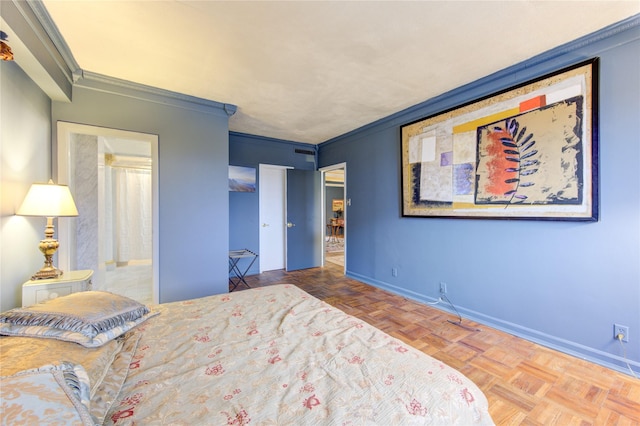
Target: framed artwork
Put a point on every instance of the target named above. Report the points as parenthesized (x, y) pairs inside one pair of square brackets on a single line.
[(337, 205), (242, 179), (528, 152)]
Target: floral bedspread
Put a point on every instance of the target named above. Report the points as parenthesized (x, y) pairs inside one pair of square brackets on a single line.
[(278, 356)]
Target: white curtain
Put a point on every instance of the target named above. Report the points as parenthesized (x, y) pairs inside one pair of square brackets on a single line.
[(132, 211)]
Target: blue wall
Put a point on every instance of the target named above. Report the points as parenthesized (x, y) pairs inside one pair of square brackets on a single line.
[(244, 212), (193, 176), (572, 281), (25, 158)]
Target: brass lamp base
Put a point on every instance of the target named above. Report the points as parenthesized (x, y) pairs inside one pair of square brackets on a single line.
[(48, 247), (47, 273)]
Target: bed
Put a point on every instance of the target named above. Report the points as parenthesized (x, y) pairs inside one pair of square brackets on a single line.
[(266, 356)]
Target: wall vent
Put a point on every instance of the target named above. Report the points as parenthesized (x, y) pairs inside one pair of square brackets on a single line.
[(304, 151)]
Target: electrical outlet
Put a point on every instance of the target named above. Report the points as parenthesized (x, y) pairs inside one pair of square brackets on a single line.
[(621, 329), (443, 288), (394, 272)]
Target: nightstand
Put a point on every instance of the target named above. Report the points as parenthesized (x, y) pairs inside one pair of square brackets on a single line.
[(36, 291)]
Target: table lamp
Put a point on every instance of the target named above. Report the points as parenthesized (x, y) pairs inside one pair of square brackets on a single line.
[(48, 200)]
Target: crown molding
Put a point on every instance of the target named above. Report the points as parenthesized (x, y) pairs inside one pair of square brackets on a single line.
[(112, 85), (34, 50), (51, 29), (258, 139)]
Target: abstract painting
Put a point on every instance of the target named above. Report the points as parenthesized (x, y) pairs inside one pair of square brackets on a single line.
[(528, 152)]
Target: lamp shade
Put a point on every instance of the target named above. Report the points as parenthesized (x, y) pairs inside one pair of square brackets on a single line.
[(48, 200)]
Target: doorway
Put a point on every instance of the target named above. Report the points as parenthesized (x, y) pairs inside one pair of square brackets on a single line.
[(334, 214), (272, 187), (113, 176), (290, 220)]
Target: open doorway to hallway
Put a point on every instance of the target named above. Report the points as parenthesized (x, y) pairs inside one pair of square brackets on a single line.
[(335, 214)]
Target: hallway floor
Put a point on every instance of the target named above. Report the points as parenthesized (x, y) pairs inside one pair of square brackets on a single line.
[(334, 250)]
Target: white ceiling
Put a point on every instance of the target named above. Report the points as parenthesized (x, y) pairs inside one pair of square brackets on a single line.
[(308, 71)]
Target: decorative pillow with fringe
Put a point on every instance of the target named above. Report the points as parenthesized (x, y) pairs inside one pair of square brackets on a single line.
[(90, 318), (26, 353), (51, 394)]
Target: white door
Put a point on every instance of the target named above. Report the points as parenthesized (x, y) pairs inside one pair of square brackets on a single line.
[(272, 189)]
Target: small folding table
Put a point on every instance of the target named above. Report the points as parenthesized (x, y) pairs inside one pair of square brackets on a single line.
[(236, 271)]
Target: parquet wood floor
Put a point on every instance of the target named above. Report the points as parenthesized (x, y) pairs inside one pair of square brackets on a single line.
[(525, 383)]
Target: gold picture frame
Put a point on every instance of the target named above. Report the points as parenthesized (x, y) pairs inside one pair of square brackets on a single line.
[(528, 152)]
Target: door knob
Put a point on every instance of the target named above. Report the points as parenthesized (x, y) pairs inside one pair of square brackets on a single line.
[(264, 225), (290, 225)]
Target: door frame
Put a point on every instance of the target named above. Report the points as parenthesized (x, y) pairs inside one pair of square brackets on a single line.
[(66, 230), (261, 199), (347, 203)]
